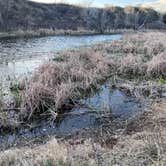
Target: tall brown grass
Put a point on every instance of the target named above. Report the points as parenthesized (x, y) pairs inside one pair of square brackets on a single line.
[(157, 66), (55, 84), (142, 53)]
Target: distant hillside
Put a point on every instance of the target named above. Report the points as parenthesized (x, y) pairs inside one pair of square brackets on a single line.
[(26, 15)]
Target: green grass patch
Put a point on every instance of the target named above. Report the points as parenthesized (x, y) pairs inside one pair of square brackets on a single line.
[(162, 81), (48, 163), (58, 59)]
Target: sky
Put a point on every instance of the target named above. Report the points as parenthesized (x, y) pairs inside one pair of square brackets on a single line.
[(100, 3), (157, 4)]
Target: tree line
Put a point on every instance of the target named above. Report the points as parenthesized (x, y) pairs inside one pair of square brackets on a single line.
[(27, 15)]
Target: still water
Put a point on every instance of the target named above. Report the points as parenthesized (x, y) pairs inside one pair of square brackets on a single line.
[(21, 56)]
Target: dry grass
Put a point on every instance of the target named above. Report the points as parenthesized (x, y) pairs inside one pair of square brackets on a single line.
[(44, 32), (131, 65), (142, 53), (58, 83), (55, 85), (157, 66), (145, 55), (44, 155)]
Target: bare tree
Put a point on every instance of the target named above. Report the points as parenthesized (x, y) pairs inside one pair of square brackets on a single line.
[(138, 17), (91, 18), (7, 6), (106, 20)]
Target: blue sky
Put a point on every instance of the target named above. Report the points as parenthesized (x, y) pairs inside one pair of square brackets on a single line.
[(159, 5), (120, 2)]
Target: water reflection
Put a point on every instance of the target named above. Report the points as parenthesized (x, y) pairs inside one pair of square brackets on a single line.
[(120, 105)]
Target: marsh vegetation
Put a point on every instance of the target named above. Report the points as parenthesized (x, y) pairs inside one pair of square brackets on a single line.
[(134, 65)]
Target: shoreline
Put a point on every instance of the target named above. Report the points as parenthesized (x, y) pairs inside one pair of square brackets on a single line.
[(21, 34), (48, 32)]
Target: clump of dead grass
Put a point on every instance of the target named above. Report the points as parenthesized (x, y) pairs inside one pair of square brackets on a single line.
[(132, 65), (52, 153), (157, 66), (140, 54), (9, 120), (55, 84)]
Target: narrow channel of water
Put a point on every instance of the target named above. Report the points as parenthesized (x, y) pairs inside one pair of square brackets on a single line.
[(83, 117)]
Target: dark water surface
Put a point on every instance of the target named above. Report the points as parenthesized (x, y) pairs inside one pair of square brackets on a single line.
[(86, 116)]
